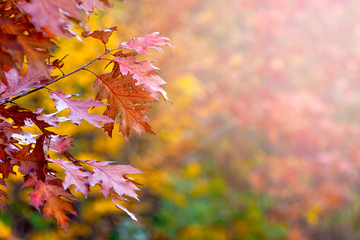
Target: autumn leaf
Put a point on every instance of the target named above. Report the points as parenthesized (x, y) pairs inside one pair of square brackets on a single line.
[(21, 117), (48, 193), (142, 44), (125, 100), (79, 108), (144, 73), (60, 143), (54, 15), (112, 177), (89, 5), (29, 159), (34, 46), (102, 35), (50, 119), (6, 168), (74, 175), (17, 85)]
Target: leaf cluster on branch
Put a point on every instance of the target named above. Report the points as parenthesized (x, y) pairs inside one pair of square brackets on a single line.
[(28, 30)]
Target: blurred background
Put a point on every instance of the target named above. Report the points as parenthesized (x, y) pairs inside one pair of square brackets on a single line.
[(261, 141)]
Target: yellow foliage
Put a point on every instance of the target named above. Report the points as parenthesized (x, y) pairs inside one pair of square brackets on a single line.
[(75, 231), (5, 231), (201, 232), (104, 144), (193, 169), (188, 86), (312, 215), (156, 180), (96, 209), (200, 188), (178, 199)]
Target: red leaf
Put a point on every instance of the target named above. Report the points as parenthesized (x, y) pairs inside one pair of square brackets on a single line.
[(89, 5), (144, 73), (125, 100), (112, 177), (149, 41), (113, 180), (34, 46), (28, 160), (78, 108), (48, 193), (102, 35), (21, 116), (74, 175), (6, 169), (50, 119), (54, 15), (60, 143)]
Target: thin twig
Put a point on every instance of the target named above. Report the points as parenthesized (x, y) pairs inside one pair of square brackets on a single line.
[(91, 72), (57, 79)]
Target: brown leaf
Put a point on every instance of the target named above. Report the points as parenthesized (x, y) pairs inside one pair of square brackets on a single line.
[(54, 15), (144, 73), (102, 35), (126, 100), (79, 108), (31, 161), (48, 193), (33, 44)]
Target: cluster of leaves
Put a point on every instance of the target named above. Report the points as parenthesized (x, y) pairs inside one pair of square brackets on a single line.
[(28, 30)]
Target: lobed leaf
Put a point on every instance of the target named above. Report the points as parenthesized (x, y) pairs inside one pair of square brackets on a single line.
[(126, 100), (74, 175), (112, 177), (144, 73), (142, 44), (102, 35), (54, 15), (79, 108), (47, 193)]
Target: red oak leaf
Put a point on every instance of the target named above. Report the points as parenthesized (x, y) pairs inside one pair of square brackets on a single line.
[(125, 100), (142, 44), (54, 15), (112, 177), (28, 160), (79, 108), (144, 73), (51, 119), (102, 35), (89, 5), (74, 175), (25, 137), (7, 130), (21, 117), (48, 193), (60, 143), (33, 46), (6, 169)]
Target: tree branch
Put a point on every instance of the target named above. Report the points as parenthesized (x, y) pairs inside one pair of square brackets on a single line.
[(57, 79)]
